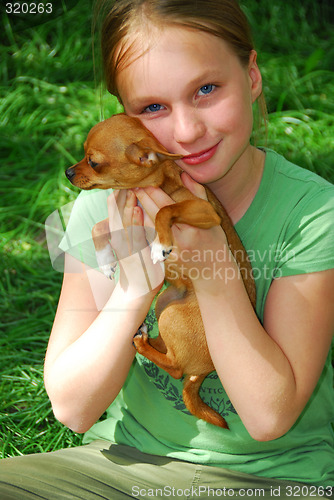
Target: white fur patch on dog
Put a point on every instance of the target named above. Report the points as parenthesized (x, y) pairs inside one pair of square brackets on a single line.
[(106, 261), (152, 157), (142, 329), (156, 252), (159, 253)]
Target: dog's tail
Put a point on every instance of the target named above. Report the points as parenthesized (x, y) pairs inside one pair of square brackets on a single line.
[(196, 405)]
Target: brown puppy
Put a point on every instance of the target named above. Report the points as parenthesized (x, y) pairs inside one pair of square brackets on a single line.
[(121, 153)]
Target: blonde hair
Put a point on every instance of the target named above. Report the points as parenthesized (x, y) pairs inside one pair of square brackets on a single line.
[(121, 20)]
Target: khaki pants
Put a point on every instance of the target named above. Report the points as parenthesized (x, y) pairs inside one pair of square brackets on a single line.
[(115, 472)]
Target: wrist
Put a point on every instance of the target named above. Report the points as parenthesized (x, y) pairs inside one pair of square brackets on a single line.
[(129, 302), (208, 268), (139, 276), (219, 277)]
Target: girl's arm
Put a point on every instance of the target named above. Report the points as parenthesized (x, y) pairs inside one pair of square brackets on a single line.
[(269, 371), (90, 351)]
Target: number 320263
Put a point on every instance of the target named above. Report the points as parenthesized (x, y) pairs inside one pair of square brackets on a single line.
[(28, 8)]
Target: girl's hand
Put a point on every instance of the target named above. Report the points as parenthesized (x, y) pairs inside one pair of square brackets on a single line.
[(138, 275), (191, 244)]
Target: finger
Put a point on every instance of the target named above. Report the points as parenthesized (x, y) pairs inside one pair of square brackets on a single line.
[(193, 186), (127, 214), (148, 204), (121, 201), (130, 203), (157, 195), (138, 232), (116, 207), (116, 224), (115, 220), (152, 199), (138, 216), (148, 222)]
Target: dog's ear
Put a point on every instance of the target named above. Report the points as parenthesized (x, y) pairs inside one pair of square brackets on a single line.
[(148, 153)]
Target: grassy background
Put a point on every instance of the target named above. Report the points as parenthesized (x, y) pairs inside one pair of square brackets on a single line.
[(49, 102)]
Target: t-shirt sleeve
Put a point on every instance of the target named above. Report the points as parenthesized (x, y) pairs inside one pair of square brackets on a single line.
[(308, 243), (80, 217)]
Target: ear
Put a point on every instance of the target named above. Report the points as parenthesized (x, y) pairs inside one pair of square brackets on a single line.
[(255, 76), (148, 153)]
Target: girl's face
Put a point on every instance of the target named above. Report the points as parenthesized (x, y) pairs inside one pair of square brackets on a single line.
[(193, 94)]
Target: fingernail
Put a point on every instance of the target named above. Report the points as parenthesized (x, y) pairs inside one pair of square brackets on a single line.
[(136, 215)]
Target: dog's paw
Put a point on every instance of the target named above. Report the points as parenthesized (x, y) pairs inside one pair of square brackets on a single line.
[(159, 253), (140, 336), (109, 270), (106, 261)]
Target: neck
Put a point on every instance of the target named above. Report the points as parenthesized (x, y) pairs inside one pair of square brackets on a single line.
[(237, 189)]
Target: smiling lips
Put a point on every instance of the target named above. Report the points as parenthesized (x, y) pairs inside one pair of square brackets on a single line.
[(196, 159)]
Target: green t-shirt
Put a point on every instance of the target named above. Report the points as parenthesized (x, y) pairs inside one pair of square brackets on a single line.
[(287, 230)]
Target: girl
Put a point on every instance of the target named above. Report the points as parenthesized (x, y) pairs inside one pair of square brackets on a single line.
[(188, 71)]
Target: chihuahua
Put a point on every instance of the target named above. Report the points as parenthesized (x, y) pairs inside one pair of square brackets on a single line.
[(121, 153)]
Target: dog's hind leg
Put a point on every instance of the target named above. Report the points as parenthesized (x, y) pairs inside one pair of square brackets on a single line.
[(155, 342), (194, 403), (149, 348)]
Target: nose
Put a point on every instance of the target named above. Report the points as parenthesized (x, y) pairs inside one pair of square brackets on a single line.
[(70, 173), (188, 125)]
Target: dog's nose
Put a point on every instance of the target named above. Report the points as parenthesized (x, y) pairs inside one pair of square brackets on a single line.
[(70, 173)]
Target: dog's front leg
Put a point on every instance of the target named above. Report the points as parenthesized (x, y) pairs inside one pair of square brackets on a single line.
[(104, 253), (198, 213)]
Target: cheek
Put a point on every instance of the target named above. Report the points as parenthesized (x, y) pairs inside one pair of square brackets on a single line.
[(161, 129), (235, 114)]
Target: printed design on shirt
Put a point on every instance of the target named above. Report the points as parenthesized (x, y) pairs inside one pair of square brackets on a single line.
[(171, 389), (214, 395), (163, 382), (151, 322)]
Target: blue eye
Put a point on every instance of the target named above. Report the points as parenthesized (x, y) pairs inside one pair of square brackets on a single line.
[(206, 89), (153, 108)]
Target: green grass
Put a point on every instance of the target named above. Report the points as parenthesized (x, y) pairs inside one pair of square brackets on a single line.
[(48, 103)]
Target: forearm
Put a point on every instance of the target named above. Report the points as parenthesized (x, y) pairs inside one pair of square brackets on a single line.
[(253, 369), (86, 377)]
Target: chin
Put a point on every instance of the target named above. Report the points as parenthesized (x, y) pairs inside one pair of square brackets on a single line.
[(204, 174)]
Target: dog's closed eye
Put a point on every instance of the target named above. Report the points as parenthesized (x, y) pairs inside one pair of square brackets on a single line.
[(92, 163)]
